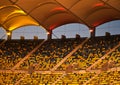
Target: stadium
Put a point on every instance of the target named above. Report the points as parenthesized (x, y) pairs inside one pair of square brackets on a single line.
[(93, 60)]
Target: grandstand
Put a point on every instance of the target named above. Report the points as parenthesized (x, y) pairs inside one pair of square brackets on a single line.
[(65, 61)]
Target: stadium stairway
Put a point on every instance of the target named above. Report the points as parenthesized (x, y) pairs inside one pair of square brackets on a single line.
[(106, 55), (59, 78), (2, 42), (67, 56), (89, 68), (27, 56), (54, 68)]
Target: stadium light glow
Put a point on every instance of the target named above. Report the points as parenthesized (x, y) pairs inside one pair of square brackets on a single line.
[(8, 33), (91, 30), (99, 5)]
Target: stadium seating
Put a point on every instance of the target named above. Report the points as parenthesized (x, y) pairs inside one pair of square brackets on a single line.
[(106, 78), (12, 51), (52, 52), (9, 78), (92, 51)]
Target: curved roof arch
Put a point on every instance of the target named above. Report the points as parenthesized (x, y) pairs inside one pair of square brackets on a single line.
[(41, 11), (7, 11), (54, 13), (18, 22), (105, 16), (61, 21)]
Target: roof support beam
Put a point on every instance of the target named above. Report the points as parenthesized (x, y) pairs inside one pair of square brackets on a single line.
[(74, 4), (109, 5), (13, 1)]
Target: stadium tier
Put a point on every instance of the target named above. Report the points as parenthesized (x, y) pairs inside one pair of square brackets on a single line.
[(93, 61)]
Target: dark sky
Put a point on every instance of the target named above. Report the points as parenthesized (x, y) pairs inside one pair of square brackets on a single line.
[(69, 30)]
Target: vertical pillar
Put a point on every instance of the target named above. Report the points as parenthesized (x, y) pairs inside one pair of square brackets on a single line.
[(9, 35), (92, 32), (49, 35)]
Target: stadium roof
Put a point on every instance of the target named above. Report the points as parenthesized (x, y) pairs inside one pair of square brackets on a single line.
[(53, 13)]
